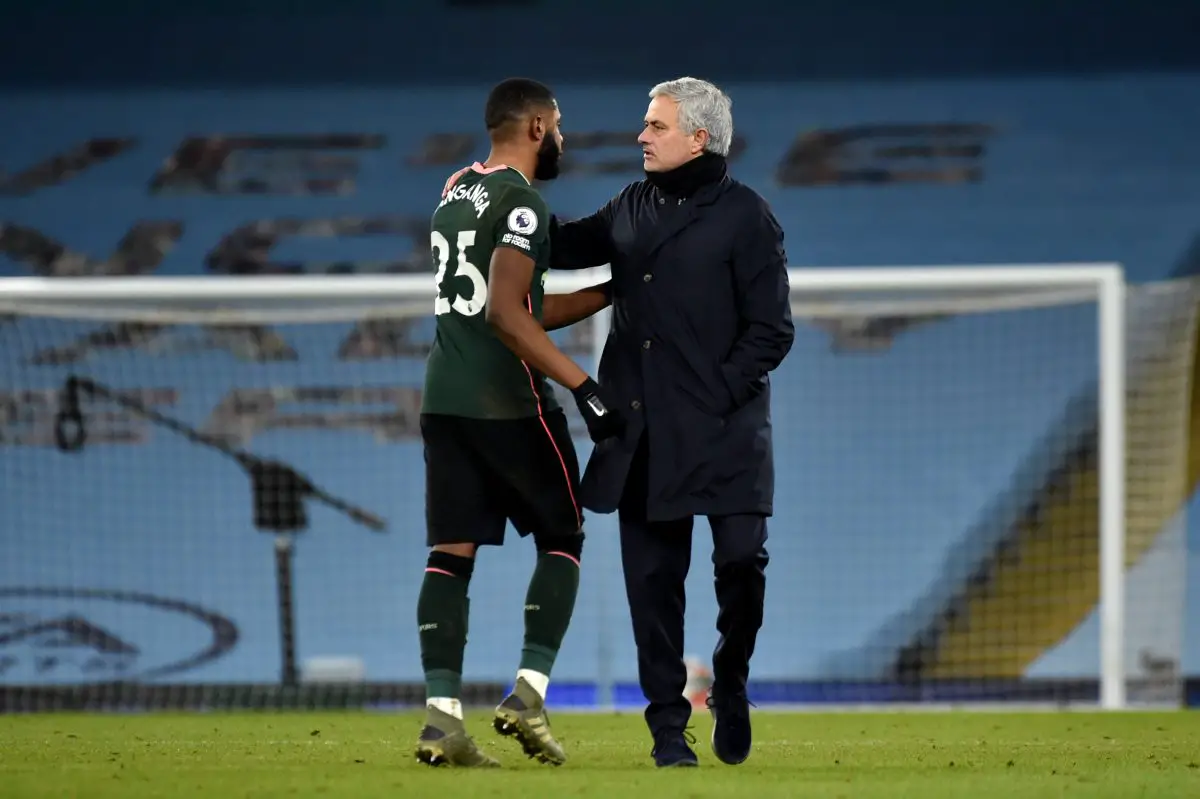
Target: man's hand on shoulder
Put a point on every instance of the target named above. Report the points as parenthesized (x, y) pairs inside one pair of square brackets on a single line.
[(582, 243)]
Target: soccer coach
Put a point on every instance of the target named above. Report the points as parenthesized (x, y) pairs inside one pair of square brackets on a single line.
[(701, 315)]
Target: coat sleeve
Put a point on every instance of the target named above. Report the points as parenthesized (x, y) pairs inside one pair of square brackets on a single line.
[(583, 243), (763, 304)]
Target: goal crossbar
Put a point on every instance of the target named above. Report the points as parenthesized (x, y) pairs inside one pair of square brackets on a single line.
[(1088, 277)]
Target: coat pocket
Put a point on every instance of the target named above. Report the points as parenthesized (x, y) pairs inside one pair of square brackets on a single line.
[(692, 452)]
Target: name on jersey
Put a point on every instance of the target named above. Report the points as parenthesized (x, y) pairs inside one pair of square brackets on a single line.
[(476, 195)]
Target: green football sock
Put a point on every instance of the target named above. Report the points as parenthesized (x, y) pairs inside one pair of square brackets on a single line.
[(442, 613), (549, 604)]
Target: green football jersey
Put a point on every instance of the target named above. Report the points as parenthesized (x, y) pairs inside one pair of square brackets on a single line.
[(469, 371)]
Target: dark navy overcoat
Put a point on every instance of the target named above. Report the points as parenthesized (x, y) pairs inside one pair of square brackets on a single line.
[(701, 315)]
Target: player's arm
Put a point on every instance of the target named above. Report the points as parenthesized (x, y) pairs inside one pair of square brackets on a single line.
[(564, 310), (509, 278)]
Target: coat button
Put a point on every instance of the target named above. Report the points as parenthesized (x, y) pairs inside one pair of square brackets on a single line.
[(646, 344), (635, 405), (661, 201), (646, 278)]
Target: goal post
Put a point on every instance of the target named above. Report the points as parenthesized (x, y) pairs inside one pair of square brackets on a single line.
[(1031, 285), (969, 619)]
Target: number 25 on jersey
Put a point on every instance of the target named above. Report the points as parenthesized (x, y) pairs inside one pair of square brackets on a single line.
[(468, 305)]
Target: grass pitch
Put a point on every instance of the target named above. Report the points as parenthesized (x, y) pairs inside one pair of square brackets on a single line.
[(364, 755)]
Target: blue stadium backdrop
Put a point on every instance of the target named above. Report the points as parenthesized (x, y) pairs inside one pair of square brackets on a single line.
[(227, 181)]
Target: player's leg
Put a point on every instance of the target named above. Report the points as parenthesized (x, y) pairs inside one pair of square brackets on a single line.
[(461, 514), (549, 605), (543, 477), (552, 514), (443, 611)]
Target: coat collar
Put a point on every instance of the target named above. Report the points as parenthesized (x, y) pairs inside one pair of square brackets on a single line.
[(679, 219)]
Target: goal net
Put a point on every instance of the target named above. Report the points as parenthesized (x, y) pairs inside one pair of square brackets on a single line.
[(211, 494)]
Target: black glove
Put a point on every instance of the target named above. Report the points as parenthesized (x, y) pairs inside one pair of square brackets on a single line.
[(601, 416)]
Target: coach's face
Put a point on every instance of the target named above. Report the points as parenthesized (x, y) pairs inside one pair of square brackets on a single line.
[(665, 145)]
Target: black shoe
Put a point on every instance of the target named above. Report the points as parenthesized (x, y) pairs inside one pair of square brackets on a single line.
[(731, 727), (672, 748)]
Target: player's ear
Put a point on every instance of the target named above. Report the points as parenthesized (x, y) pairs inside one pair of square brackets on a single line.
[(537, 127)]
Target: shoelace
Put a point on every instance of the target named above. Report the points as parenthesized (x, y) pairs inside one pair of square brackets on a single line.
[(712, 703), (666, 736)]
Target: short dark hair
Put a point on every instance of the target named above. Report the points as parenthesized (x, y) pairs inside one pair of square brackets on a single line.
[(512, 99)]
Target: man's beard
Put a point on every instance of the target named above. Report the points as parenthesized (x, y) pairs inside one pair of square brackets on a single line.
[(547, 160)]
